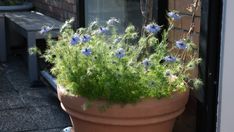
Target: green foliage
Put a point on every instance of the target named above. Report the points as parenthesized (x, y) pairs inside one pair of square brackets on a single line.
[(141, 72)]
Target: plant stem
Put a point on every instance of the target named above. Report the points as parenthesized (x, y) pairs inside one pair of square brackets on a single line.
[(194, 9), (146, 7)]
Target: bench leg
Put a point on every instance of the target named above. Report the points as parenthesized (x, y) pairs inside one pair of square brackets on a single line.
[(32, 58), (3, 49)]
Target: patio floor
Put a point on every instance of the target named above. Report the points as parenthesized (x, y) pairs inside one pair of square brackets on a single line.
[(27, 109)]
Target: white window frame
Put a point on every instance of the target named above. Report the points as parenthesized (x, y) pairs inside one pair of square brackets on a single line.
[(225, 122)]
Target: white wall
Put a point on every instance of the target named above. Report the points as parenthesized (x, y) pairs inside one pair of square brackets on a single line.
[(226, 94)]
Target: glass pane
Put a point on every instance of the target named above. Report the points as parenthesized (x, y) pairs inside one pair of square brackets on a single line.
[(128, 11)]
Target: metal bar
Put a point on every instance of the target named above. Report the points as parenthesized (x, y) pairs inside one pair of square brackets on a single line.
[(210, 41), (3, 48), (50, 79), (32, 58), (161, 7), (80, 7)]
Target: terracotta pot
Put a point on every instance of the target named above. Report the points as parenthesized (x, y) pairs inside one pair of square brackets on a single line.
[(149, 115)]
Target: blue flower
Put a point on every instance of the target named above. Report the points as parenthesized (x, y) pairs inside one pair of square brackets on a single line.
[(146, 63), (180, 44), (75, 39), (174, 15), (45, 29), (152, 28), (120, 53), (117, 40), (103, 30), (86, 38), (170, 59), (86, 51), (112, 21)]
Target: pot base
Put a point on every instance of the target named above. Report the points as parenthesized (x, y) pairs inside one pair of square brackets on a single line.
[(82, 126)]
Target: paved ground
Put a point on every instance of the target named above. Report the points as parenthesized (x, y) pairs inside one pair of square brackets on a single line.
[(27, 109)]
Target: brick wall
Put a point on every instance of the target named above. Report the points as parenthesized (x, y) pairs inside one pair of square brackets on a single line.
[(186, 122), (182, 26), (59, 9)]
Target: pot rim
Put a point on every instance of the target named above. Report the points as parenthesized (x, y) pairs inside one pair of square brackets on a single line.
[(63, 90), (148, 111)]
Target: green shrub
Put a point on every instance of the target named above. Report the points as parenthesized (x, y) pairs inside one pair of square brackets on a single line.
[(100, 63)]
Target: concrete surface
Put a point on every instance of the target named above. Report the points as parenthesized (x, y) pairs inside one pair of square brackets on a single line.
[(27, 109)]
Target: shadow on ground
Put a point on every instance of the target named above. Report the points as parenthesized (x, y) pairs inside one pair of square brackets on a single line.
[(27, 109)]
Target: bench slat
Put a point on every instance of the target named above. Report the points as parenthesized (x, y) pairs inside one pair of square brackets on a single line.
[(32, 21), (29, 24)]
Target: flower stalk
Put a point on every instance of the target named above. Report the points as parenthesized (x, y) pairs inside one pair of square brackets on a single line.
[(193, 8)]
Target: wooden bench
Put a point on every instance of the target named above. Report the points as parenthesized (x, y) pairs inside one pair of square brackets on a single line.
[(28, 24)]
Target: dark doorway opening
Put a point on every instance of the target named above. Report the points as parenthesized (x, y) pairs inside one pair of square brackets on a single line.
[(210, 42)]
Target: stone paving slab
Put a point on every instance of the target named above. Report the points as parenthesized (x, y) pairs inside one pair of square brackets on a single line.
[(19, 81), (16, 120), (11, 101), (39, 97), (49, 117), (48, 130), (24, 108), (5, 85)]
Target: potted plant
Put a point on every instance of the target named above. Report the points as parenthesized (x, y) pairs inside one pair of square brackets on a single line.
[(122, 82), (14, 5)]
